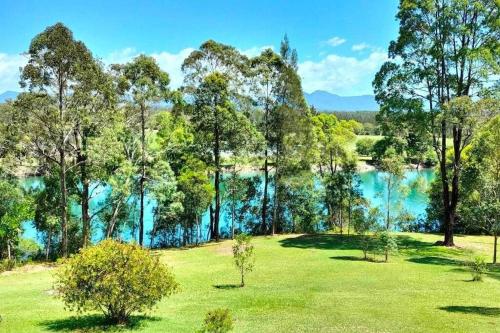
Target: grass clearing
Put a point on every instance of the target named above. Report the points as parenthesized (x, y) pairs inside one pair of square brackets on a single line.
[(301, 283)]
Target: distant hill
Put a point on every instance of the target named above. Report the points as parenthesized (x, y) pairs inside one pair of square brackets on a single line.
[(8, 95), (322, 101), (325, 101)]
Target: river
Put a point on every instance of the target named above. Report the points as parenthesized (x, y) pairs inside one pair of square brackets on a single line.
[(373, 186)]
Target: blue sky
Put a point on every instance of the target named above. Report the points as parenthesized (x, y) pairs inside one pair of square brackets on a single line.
[(341, 43)]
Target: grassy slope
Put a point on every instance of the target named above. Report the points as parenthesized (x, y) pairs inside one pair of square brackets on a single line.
[(300, 284)]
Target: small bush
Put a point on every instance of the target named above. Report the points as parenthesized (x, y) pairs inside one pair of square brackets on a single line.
[(243, 255), (477, 268), (27, 249), (217, 321), (117, 279), (7, 265), (386, 244), (364, 146)]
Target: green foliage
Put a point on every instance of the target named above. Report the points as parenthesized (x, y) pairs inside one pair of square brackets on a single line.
[(27, 249), (243, 254), (7, 265), (15, 208), (478, 268), (386, 244), (364, 224), (117, 279), (217, 321), (364, 146)]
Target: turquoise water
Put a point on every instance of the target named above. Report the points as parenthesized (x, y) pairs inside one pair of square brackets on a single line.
[(412, 197)]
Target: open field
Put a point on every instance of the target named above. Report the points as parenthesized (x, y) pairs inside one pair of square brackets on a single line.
[(300, 284)]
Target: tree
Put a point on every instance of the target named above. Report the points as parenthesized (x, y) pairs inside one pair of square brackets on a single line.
[(365, 222), (386, 244), (15, 208), (93, 99), (364, 146), (393, 168), (445, 49), (214, 77), (220, 129), (117, 279), (144, 82), (293, 134), (243, 255), (55, 65), (480, 208), (265, 75)]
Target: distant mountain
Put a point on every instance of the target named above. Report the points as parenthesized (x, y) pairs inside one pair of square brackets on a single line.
[(8, 95), (325, 101)]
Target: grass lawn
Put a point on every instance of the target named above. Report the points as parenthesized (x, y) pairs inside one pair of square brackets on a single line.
[(300, 284)]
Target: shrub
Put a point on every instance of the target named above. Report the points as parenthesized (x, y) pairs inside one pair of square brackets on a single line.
[(217, 321), (7, 265), (117, 279), (364, 146), (243, 255), (477, 268), (27, 249), (386, 244)]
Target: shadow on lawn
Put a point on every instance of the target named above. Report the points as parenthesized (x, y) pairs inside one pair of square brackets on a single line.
[(480, 310), (354, 258), (94, 324), (437, 261), (352, 242), (227, 286)]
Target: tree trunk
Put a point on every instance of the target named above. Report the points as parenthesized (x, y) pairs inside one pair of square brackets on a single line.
[(64, 221), (388, 218), (266, 170), (275, 204), (49, 237), (62, 173), (211, 211), (447, 214), (82, 161), (8, 250), (264, 199), (233, 213), (217, 186), (143, 173)]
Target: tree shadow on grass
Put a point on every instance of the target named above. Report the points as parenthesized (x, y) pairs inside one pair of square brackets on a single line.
[(227, 286), (323, 242), (348, 258), (354, 258), (351, 242), (480, 310), (94, 323), (432, 260)]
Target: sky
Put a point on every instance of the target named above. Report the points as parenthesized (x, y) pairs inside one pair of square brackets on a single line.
[(341, 43)]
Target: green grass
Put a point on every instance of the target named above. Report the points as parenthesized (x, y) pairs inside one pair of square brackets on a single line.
[(300, 284)]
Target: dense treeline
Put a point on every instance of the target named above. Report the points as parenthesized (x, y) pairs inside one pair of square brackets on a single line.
[(367, 118), (105, 154)]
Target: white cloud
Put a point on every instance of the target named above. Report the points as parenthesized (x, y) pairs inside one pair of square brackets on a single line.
[(256, 50), (169, 62), (360, 47), (342, 75), (9, 71), (335, 41)]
